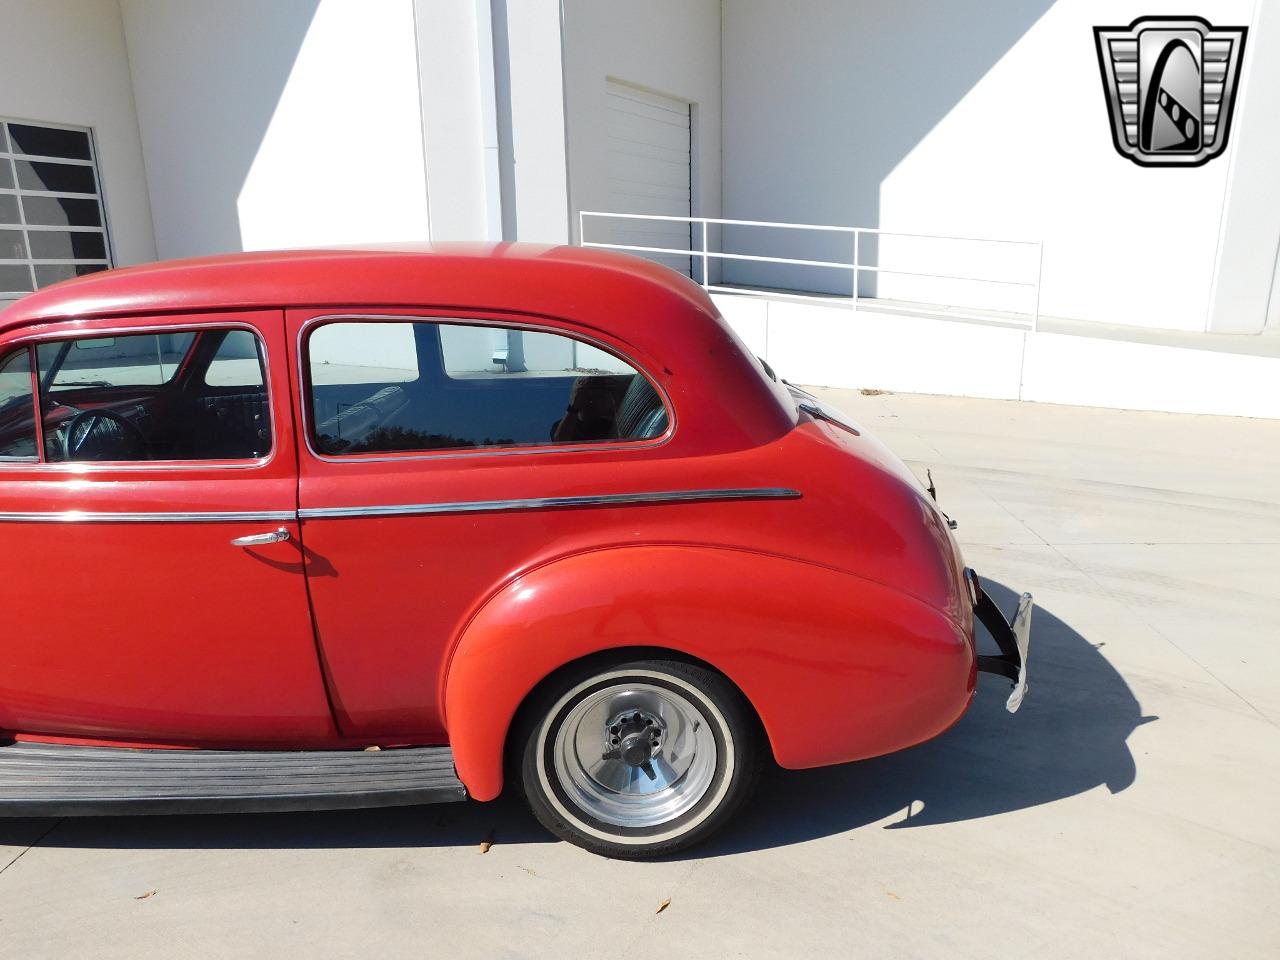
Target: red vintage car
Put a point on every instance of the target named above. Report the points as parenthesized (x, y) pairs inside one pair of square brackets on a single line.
[(365, 527)]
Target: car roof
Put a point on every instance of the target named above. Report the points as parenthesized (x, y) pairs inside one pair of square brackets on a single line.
[(511, 277), (664, 320)]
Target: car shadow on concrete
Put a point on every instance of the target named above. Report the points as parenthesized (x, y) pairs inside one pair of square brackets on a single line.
[(1070, 736)]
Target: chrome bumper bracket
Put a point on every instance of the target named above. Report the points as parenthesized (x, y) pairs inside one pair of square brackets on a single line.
[(1014, 640)]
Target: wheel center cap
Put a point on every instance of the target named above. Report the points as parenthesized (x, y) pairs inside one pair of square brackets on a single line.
[(635, 749)]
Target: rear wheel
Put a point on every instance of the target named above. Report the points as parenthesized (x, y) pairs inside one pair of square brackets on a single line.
[(639, 759)]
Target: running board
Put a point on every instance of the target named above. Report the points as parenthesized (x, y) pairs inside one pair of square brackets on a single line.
[(43, 780)]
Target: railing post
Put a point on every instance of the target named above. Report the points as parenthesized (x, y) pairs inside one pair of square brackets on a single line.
[(857, 236), (706, 277), (1035, 316)]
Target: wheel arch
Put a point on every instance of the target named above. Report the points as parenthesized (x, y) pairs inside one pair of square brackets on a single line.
[(797, 641)]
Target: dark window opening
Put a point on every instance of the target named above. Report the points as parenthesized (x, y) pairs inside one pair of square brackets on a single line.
[(188, 395), (404, 386), (41, 141)]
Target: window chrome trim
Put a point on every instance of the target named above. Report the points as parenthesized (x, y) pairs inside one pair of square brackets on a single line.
[(87, 516), (551, 503), (48, 330), (536, 324)]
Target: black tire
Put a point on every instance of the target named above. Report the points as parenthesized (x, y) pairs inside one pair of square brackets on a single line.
[(734, 764)]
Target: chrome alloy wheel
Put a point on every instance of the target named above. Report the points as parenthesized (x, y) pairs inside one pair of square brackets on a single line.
[(636, 754)]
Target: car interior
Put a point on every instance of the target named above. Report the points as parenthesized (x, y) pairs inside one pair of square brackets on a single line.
[(201, 395), (193, 396), (436, 410)]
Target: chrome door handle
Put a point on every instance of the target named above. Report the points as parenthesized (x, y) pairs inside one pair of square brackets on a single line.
[(261, 539)]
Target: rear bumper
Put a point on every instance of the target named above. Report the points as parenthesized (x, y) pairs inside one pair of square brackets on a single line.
[(1013, 637)]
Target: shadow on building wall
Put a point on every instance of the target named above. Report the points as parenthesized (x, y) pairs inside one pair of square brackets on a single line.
[(822, 100), (207, 81)]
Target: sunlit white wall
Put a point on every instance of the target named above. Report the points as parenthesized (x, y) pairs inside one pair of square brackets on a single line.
[(973, 119), (1028, 152), (284, 124), (1249, 254), (342, 160)]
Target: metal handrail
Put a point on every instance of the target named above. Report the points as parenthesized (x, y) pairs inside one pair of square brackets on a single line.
[(854, 265)]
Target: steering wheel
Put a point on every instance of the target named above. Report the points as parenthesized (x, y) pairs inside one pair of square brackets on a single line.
[(108, 425)]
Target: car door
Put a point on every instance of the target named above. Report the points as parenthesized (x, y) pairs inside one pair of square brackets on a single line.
[(429, 446), (153, 586)]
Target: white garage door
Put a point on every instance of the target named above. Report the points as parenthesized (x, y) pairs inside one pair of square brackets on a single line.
[(649, 171)]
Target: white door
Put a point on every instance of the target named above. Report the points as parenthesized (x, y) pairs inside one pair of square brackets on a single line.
[(649, 171)]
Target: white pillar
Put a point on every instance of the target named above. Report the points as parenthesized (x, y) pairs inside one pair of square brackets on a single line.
[(454, 93), (1250, 237), (539, 167), (492, 96)]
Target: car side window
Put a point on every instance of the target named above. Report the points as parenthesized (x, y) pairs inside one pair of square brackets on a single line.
[(379, 386), (185, 395), (236, 362), (137, 360), (17, 408)]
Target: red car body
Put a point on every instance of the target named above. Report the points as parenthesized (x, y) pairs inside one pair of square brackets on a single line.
[(420, 597)]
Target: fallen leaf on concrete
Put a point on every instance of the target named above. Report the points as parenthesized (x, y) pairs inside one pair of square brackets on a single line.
[(663, 905), (892, 894), (149, 893), (486, 843)]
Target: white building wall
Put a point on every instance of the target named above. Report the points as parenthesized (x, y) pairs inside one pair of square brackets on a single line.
[(982, 119), (449, 57), (671, 47), (268, 125), (492, 93), (63, 61), (836, 347), (537, 115), (1249, 253)]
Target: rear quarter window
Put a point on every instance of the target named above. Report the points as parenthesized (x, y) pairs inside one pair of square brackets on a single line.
[(379, 386)]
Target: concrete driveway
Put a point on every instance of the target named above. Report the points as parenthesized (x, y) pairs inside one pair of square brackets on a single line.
[(1131, 809)]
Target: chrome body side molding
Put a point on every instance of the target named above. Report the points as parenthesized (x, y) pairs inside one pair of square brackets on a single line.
[(551, 503), (85, 516), (404, 509)]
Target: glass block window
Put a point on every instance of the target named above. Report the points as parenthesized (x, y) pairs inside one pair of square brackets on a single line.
[(52, 225)]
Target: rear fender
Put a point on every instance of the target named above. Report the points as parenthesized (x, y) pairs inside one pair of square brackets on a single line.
[(837, 668)]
